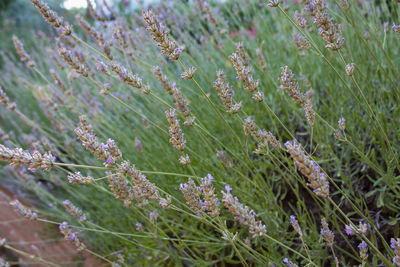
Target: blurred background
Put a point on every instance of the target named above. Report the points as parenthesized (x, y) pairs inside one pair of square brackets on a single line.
[(20, 17)]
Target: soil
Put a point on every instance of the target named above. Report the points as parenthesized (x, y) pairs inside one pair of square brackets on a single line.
[(36, 238)]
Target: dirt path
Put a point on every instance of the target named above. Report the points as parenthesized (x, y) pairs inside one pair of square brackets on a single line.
[(38, 239)]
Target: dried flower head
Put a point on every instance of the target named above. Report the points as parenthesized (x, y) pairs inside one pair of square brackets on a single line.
[(290, 85), (363, 248), (342, 124), (98, 36), (19, 47), (210, 15), (120, 187), (261, 60), (327, 234), (139, 227), (225, 92), (289, 263), (74, 211), (153, 216), (328, 30), (6, 101), (344, 4), (108, 152), (300, 42), (396, 28), (165, 84), (126, 76), (299, 19), (243, 214), (77, 178), (143, 189), (35, 160), (184, 159), (57, 80), (138, 145), (221, 155), (73, 62), (62, 27), (273, 3), (188, 74), (177, 139), (350, 69), (22, 210), (250, 128), (308, 107), (180, 102), (211, 202), (160, 35), (351, 229), (395, 245), (192, 194), (309, 168), (71, 235), (258, 96), (296, 226), (243, 71)]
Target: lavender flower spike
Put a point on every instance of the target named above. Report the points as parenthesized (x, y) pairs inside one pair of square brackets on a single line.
[(316, 179)]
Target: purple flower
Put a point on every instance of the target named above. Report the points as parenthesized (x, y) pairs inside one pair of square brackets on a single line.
[(349, 230), (228, 188), (362, 245)]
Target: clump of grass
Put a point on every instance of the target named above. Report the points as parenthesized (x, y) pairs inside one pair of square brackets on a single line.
[(135, 107)]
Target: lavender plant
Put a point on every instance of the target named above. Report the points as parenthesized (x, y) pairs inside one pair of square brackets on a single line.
[(195, 95)]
